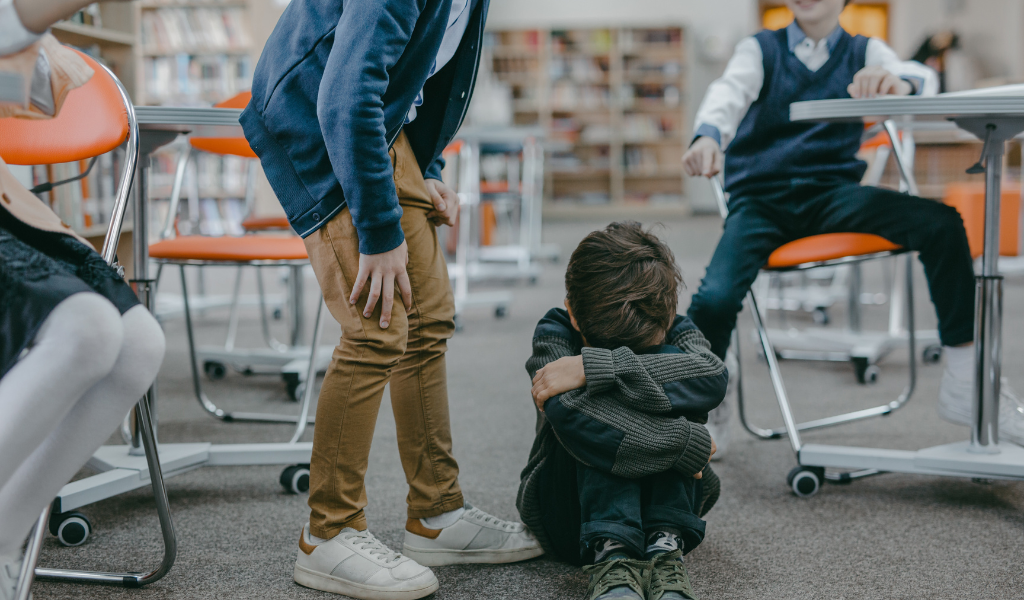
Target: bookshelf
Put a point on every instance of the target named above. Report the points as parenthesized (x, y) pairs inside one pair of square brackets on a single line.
[(612, 103)]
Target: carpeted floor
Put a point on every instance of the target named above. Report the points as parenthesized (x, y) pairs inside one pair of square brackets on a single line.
[(890, 536)]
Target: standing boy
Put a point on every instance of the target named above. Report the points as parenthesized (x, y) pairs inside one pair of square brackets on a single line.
[(791, 180), (352, 104), (617, 474)]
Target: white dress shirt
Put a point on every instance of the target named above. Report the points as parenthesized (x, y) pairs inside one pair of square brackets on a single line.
[(458, 20), (729, 97)]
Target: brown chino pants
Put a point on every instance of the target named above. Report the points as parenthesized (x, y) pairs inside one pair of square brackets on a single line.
[(409, 354)]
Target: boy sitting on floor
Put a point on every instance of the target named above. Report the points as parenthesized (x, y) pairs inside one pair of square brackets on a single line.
[(618, 473)]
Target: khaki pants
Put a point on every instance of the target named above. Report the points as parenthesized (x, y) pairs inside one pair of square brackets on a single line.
[(409, 354)]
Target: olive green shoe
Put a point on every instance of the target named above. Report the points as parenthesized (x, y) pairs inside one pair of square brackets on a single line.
[(617, 579), (669, 579)]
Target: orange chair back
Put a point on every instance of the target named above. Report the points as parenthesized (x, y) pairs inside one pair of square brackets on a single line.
[(968, 198), (92, 121), (234, 146)]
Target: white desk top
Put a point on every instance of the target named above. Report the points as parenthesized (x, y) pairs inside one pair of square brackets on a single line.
[(177, 115), (945, 105)]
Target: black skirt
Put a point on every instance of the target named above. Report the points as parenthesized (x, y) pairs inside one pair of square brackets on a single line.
[(38, 270)]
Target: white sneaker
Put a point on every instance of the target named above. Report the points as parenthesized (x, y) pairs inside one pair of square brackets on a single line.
[(476, 537), (720, 419), (956, 395), (357, 564)]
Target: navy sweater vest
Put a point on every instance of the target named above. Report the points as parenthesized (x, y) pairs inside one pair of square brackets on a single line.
[(770, 150)]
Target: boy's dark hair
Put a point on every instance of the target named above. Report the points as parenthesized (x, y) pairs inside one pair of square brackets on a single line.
[(622, 285)]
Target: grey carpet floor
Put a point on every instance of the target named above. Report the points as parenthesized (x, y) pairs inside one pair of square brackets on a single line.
[(889, 536)]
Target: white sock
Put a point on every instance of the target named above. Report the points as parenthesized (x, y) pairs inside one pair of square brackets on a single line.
[(661, 542), (960, 361), (606, 546), (444, 519)]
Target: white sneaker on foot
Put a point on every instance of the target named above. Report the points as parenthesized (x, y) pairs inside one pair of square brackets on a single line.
[(357, 564), (956, 395), (720, 419), (476, 537)]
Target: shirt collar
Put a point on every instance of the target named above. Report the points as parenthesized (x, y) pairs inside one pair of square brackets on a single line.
[(795, 35)]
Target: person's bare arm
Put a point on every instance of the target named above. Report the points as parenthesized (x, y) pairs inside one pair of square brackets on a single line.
[(38, 15)]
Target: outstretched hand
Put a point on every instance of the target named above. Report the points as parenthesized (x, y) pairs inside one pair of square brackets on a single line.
[(874, 81), (383, 271), (704, 157), (556, 378)]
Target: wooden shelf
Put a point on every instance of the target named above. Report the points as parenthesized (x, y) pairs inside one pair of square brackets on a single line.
[(77, 34), (215, 4), (195, 52), (100, 231)]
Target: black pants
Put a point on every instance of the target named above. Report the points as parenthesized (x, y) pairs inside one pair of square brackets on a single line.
[(758, 224), (581, 504)]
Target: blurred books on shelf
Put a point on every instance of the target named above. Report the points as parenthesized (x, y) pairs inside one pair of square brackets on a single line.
[(612, 103), (172, 30)]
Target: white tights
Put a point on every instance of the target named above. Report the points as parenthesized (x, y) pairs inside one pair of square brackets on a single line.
[(87, 366)]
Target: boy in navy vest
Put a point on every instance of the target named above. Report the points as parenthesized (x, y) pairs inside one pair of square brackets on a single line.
[(792, 180)]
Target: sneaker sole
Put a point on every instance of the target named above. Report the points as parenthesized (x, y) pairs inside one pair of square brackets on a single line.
[(328, 583), (440, 558)]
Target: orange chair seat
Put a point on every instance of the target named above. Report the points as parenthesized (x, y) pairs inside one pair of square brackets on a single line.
[(828, 246), (265, 223), (230, 249)]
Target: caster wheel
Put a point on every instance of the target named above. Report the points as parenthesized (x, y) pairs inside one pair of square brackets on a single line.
[(805, 481), (295, 479), (820, 316), (500, 312), (866, 373), (215, 370), (300, 391), (292, 383), (533, 281), (278, 314), (458, 323), (932, 354), (70, 528)]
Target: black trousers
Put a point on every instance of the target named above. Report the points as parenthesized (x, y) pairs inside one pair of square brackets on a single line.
[(760, 223)]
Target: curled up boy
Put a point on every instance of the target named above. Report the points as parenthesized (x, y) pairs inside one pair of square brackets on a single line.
[(617, 477)]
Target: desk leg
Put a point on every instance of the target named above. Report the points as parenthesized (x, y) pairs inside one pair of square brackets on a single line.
[(989, 316)]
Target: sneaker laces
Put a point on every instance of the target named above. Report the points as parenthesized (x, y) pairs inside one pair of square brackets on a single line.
[(364, 540), (614, 573), (668, 573), (481, 516)]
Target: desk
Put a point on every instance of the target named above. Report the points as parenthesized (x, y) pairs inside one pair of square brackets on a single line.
[(124, 468), (994, 119)]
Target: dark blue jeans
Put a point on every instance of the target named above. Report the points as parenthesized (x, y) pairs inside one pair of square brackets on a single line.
[(627, 510), (759, 223)]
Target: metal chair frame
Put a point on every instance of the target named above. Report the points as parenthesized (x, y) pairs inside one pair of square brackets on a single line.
[(791, 427), (142, 411)]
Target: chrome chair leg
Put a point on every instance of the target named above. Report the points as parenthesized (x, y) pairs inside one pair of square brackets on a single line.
[(197, 384), (163, 511), (307, 394), (783, 398), (28, 564)]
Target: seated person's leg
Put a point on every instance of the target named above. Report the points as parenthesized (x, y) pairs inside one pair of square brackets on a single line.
[(671, 503), (936, 231), (752, 232), (611, 534)]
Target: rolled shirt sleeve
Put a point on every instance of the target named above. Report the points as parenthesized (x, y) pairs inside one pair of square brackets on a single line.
[(923, 78), (729, 97)]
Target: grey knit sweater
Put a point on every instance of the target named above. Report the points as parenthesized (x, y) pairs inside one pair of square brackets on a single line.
[(638, 414)]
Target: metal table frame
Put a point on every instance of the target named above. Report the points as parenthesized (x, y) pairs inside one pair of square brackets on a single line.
[(995, 119)]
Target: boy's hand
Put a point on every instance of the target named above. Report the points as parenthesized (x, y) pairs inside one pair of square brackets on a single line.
[(557, 378), (876, 81), (383, 271), (704, 157), (446, 203), (714, 448)]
